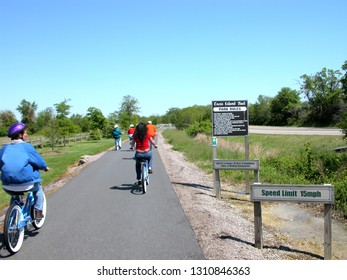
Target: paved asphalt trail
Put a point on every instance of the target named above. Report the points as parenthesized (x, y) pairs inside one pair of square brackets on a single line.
[(101, 214)]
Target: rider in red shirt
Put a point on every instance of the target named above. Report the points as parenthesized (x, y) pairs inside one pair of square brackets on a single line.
[(143, 151), (131, 131)]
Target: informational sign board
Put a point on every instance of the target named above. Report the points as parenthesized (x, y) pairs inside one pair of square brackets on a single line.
[(235, 164), (293, 193), (230, 118)]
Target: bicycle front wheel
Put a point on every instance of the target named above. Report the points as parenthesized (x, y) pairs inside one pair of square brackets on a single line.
[(143, 178), (37, 224), (13, 236)]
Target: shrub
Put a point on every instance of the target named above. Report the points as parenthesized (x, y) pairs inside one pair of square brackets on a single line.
[(204, 127), (96, 134)]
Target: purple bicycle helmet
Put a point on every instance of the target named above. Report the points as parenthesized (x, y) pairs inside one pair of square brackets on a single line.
[(15, 129)]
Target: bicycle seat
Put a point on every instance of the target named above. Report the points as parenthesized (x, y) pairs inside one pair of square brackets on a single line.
[(17, 190), (15, 193)]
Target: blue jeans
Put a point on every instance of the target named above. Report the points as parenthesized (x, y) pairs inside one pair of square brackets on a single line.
[(139, 156), (38, 194), (118, 143)]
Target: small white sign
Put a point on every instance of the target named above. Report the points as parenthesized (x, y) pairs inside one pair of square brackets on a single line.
[(293, 193), (236, 164)]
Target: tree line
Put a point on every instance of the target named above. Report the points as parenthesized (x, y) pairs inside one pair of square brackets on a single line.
[(57, 123), (321, 101)]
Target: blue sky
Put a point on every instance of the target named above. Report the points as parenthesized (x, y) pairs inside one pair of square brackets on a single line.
[(164, 53)]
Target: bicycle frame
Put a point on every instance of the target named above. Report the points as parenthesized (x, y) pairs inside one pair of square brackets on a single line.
[(25, 215), (144, 174)]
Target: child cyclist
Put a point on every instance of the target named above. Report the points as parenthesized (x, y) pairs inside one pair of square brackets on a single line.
[(143, 150), (20, 164)]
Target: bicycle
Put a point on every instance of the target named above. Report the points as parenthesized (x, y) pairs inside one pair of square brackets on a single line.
[(144, 170), (18, 216)]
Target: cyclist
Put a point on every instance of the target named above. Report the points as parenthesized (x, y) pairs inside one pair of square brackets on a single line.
[(152, 130), (116, 134), (20, 164), (131, 131), (143, 151)]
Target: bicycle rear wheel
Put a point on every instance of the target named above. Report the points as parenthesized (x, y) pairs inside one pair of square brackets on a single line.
[(13, 236), (37, 224), (143, 178)]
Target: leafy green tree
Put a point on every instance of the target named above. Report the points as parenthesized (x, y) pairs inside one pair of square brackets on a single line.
[(6, 119), (260, 113), (325, 96), (113, 117), (63, 109), (66, 126), (51, 128), (172, 116), (343, 123), (128, 112), (28, 112), (155, 119), (204, 127), (97, 122), (185, 117), (284, 107), (81, 122), (44, 117), (344, 81), (96, 118)]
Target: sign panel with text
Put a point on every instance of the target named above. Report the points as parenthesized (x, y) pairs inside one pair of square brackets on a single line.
[(219, 164), (230, 118), (293, 193)]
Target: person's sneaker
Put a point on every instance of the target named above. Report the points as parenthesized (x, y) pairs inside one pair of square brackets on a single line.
[(150, 170), (139, 182), (38, 214)]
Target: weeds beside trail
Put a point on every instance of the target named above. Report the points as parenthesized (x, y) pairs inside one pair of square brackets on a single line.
[(284, 159)]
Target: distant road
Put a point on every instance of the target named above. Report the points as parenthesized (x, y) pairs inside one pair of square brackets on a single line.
[(294, 130)]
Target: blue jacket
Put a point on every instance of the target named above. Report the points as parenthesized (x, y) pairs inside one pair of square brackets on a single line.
[(116, 133), (20, 164)]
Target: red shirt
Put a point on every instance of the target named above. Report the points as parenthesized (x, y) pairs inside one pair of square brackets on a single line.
[(131, 130), (142, 146)]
